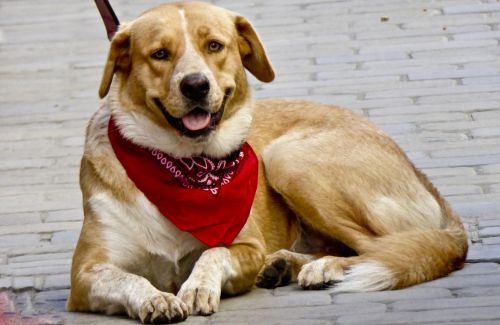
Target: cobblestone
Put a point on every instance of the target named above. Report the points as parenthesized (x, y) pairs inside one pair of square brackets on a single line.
[(428, 75), (387, 296), (415, 305), (478, 291), (472, 8), (23, 282), (306, 312), (429, 316), (481, 268), (449, 107), (485, 253)]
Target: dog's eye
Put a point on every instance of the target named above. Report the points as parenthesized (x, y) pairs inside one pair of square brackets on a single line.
[(215, 46), (160, 54)]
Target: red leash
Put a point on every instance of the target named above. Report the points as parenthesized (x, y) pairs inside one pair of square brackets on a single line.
[(108, 17)]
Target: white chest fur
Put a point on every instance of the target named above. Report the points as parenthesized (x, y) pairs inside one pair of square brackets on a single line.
[(140, 240)]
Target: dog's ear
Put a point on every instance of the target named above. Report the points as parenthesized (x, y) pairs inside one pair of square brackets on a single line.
[(252, 51), (118, 58)]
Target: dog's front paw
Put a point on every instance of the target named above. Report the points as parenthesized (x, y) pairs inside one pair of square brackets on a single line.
[(162, 308), (201, 298)]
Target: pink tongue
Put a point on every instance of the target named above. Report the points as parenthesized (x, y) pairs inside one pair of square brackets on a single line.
[(195, 121)]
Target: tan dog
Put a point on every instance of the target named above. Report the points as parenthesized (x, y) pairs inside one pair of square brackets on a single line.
[(338, 202)]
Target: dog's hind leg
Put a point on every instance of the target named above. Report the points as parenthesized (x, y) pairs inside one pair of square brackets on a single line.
[(310, 173), (358, 187)]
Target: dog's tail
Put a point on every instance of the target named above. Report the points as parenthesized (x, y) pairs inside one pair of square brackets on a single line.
[(407, 258)]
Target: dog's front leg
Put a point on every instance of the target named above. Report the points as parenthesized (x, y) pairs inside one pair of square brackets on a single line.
[(230, 270), (112, 290)]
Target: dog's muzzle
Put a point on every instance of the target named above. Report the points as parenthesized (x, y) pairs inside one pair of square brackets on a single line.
[(196, 123)]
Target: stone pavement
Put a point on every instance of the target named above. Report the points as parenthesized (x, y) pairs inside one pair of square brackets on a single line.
[(426, 71)]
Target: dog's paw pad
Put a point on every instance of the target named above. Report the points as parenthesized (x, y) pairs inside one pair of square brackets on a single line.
[(275, 274)]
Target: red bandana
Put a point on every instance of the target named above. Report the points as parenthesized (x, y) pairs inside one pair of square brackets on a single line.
[(209, 198)]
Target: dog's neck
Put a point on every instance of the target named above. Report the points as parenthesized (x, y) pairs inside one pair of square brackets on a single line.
[(229, 136)]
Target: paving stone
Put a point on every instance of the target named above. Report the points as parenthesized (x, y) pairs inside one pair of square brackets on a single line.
[(464, 126), (435, 173), (419, 92), (420, 118), (195, 320), (264, 301), (491, 322), (37, 262), (401, 128), (54, 295), (486, 149), (312, 312), (361, 58), (428, 46), (23, 282), (459, 161), (22, 218), (477, 268), (491, 168), (486, 115), (41, 248), (486, 132), (9, 164), (5, 283), (39, 227), (491, 241), (450, 107), (469, 180), (487, 253), (456, 282), (37, 258), (19, 240), (58, 281), (451, 20), (478, 291), (407, 33), (432, 316), (472, 8), (91, 319), (489, 232), (66, 236), (388, 90), (416, 305), (387, 296), (481, 80), (457, 98), (448, 190), (38, 270)]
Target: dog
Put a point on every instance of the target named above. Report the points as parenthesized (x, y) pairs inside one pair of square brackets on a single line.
[(192, 190)]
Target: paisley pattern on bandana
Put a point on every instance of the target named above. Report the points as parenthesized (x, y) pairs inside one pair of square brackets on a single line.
[(200, 172)]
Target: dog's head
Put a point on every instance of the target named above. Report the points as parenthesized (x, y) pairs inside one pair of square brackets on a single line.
[(181, 78)]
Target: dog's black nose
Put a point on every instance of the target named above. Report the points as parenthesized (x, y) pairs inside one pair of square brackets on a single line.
[(195, 86)]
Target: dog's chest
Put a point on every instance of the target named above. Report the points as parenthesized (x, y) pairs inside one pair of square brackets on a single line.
[(142, 241)]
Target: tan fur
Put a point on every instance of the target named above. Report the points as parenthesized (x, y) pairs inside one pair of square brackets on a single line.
[(338, 200)]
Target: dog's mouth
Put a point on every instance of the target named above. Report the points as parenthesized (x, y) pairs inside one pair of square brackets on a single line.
[(196, 123)]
